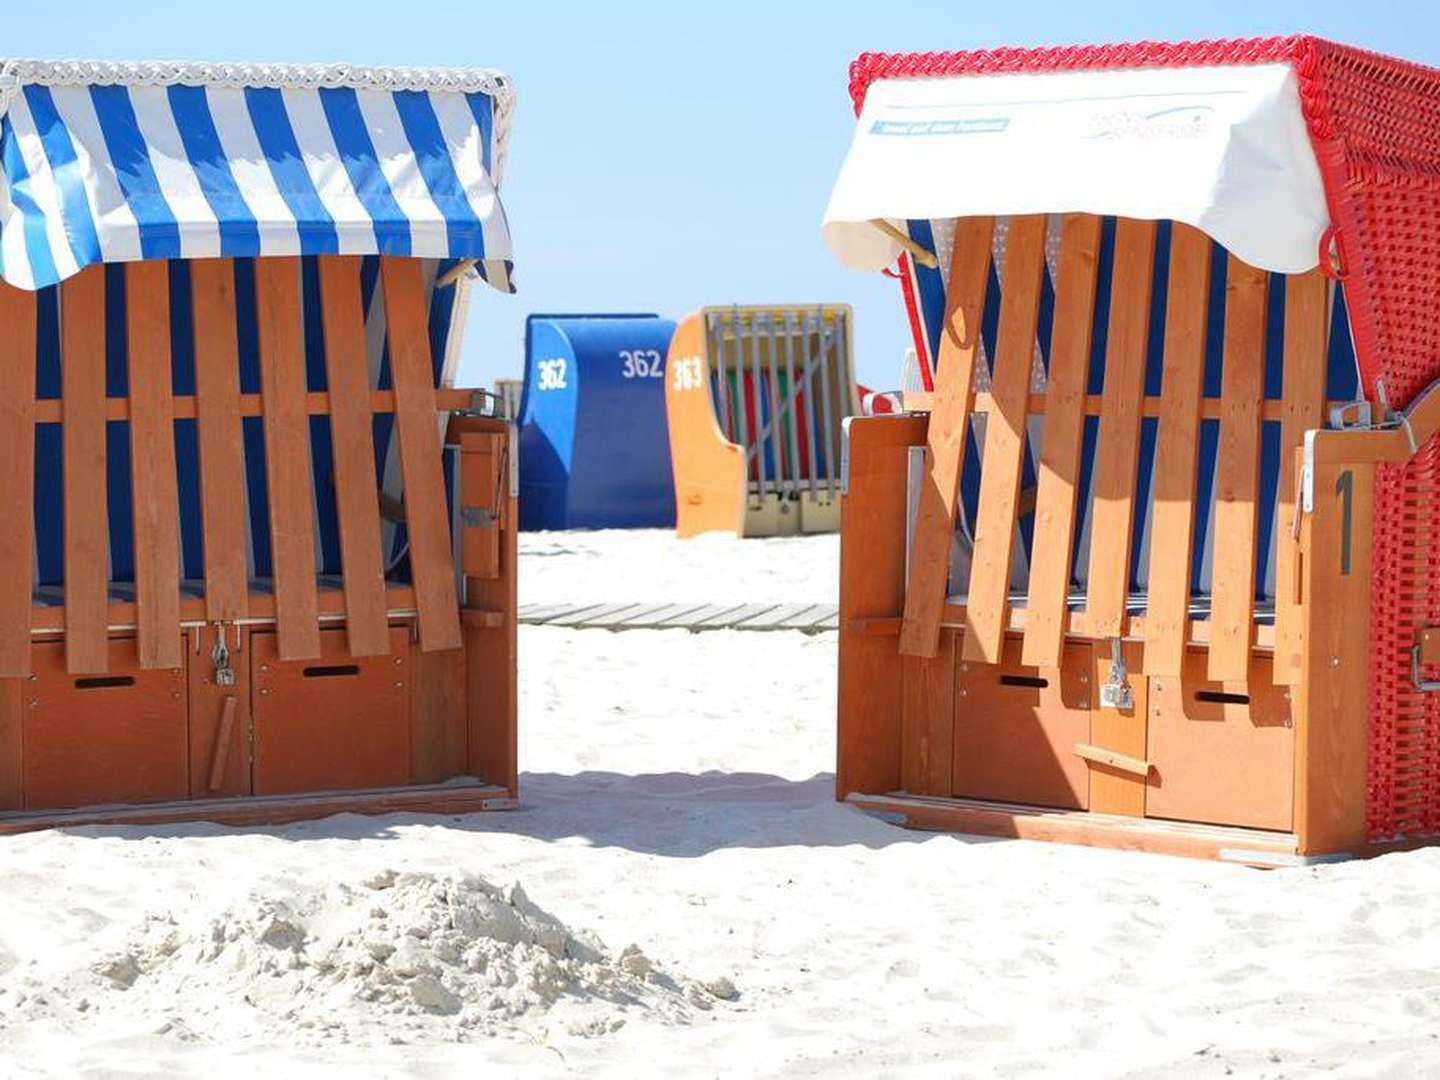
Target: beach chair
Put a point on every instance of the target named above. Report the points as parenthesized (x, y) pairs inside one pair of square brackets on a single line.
[(258, 556), (594, 453), (1148, 562), (755, 398)]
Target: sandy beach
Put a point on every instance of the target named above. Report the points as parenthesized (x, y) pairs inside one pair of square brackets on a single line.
[(692, 901)]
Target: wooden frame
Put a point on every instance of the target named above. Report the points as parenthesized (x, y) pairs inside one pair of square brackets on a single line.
[(1295, 692), (446, 658)]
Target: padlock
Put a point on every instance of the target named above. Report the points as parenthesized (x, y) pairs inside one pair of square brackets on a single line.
[(220, 657), (1115, 692)]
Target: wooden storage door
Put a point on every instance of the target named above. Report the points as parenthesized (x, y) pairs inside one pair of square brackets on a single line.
[(1016, 728), (333, 723), (1221, 753), (121, 737)]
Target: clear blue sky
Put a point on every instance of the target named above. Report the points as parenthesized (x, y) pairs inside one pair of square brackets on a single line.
[(667, 156)]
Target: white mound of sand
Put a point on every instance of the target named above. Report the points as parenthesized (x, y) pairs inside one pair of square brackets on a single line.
[(391, 959)]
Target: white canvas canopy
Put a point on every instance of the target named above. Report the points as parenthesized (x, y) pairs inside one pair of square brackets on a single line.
[(1224, 149)]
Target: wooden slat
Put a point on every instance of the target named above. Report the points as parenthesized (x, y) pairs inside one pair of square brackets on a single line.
[(217, 416), (491, 686), (869, 732), (427, 524), (1051, 548), (1116, 454), (1172, 525), (287, 457), (317, 402), (17, 451), (357, 503), (153, 487), (1303, 393), (927, 720), (988, 594), (1332, 694), (87, 534), (954, 395), (1237, 473)]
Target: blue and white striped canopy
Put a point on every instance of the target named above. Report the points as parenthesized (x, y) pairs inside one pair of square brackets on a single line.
[(104, 162)]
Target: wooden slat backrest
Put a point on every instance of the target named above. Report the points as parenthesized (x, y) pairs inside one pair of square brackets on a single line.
[(357, 501), (1165, 627), (17, 450), (1303, 390), (427, 524), (949, 419), (1118, 447), (287, 456), (218, 430), (1237, 473), (1167, 613), (1049, 585), (153, 487), (87, 532), (988, 604)]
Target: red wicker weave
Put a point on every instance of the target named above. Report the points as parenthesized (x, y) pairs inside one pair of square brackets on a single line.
[(1374, 122)]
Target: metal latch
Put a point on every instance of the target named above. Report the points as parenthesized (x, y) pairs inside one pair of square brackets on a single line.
[(1115, 692), (1351, 415), (220, 657), (477, 517)]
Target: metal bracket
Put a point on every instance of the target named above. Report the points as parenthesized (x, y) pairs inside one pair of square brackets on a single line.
[(1352, 415), (1425, 686), (1307, 473)]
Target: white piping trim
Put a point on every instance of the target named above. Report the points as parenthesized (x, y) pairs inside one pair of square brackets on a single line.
[(16, 73)]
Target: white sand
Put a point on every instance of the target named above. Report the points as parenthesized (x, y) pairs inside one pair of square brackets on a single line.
[(677, 798)]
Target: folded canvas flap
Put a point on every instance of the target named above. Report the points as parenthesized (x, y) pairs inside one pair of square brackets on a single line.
[(1224, 149)]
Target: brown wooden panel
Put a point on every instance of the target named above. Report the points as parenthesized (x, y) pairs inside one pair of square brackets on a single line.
[(1332, 696), (427, 520), (207, 711), (1172, 523), (1049, 587), (117, 738), (927, 719), (1306, 315), (87, 533), (287, 456), (17, 450), (1222, 752), (1237, 472), (987, 599), (483, 465), (437, 711), (14, 704), (1113, 486), (491, 687), (333, 722), (218, 431), (872, 585), (1115, 791), (153, 487), (1016, 727), (357, 503), (954, 394)]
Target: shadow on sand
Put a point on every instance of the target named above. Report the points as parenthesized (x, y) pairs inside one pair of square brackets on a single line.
[(677, 815)]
